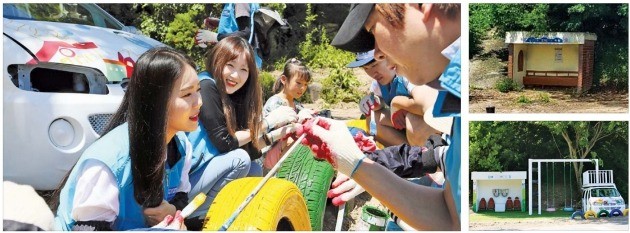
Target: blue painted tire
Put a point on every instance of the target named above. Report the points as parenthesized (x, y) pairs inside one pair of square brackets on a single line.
[(617, 212), (577, 213)]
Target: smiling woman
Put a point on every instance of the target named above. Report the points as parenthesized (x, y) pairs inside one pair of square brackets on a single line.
[(137, 173)]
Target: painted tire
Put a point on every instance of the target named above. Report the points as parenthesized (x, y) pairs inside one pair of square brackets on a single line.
[(278, 206), (617, 211), (313, 178), (625, 212), (604, 212), (590, 213), (577, 213)]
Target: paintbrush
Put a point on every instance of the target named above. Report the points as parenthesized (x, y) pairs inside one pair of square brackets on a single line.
[(193, 205)]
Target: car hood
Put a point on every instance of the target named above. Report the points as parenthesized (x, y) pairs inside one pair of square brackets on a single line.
[(113, 52)]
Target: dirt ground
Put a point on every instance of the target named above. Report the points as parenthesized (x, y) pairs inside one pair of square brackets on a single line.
[(553, 224), (352, 220), (486, 69), (547, 101)]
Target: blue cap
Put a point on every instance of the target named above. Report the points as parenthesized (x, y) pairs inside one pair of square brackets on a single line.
[(362, 59)]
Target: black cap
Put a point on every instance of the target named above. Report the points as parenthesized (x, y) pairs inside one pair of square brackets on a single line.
[(352, 35)]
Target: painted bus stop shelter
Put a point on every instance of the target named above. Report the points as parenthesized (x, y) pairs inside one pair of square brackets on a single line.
[(499, 186), (551, 59)]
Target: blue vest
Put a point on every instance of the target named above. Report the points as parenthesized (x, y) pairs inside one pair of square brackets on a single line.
[(203, 149), (451, 81), (398, 86), (227, 24), (113, 150)]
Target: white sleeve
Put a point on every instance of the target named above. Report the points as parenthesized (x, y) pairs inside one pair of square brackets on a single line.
[(96, 194), (184, 182), (376, 89), (410, 86)]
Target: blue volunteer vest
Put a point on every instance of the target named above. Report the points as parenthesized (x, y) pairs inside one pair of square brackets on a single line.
[(227, 24), (397, 87), (451, 81), (113, 150), (203, 149)]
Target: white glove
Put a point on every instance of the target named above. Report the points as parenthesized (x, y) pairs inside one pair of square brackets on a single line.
[(368, 103), (204, 36), (344, 189), (337, 145), (283, 131), (305, 114), (280, 117)]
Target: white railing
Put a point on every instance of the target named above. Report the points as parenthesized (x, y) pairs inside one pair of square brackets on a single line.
[(591, 177)]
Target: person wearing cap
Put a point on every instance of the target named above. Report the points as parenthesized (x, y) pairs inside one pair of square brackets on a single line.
[(422, 41), (398, 105)]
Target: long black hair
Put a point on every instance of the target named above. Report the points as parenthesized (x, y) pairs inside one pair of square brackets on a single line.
[(145, 107)]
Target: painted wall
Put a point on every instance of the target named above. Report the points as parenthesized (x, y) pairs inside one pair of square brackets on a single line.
[(484, 190), (518, 76), (542, 57)]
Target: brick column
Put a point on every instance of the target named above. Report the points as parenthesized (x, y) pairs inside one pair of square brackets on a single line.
[(510, 65), (580, 68), (588, 64)]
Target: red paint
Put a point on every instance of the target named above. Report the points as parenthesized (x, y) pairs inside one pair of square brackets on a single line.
[(128, 63), (50, 48)]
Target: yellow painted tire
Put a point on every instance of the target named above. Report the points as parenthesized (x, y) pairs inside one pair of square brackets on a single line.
[(625, 212), (278, 206), (590, 213)]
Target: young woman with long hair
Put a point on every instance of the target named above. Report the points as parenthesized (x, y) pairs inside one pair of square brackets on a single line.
[(136, 174), (230, 120)]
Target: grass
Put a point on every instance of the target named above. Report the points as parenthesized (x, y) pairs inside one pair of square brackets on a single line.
[(509, 216), (522, 99)]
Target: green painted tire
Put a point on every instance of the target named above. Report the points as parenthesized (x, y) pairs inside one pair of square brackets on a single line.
[(603, 213), (313, 177)]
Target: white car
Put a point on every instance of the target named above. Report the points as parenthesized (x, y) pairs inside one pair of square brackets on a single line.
[(602, 198), (64, 68), (599, 192)]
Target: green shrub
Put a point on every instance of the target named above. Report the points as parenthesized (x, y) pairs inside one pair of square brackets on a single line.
[(506, 85), (266, 81), (523, 100), (340, 85), (544, 97), (316, 50)]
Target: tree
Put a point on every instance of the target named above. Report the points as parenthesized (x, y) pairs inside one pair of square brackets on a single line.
[(582, 136)]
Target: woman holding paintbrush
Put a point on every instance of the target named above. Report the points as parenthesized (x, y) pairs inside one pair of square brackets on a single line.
[(136, 174)]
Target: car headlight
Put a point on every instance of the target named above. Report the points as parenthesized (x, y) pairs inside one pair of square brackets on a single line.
[(61, 133)]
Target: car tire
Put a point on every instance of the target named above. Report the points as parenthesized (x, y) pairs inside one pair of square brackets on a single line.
[(313, 177), (590, 213), (278, 206), (576, 214), (603, 213), (617, 211)]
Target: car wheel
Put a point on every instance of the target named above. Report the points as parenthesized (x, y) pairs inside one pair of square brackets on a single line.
[(313, 178), (278, 206)]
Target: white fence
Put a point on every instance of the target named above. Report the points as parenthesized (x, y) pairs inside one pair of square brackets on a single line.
[(592, 177)]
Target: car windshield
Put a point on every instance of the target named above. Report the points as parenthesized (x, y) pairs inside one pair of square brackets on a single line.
[(606, 192), (75, 13)]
